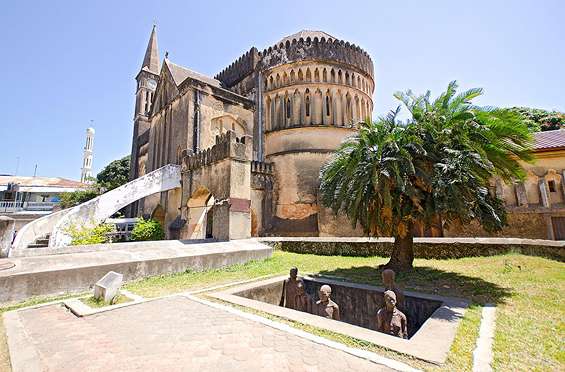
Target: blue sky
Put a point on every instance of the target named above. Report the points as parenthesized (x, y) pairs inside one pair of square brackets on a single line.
[(64, 63)]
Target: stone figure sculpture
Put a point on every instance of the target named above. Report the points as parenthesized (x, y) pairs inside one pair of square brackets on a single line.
[(302, 301), (325, 306), (388, 277), (390, 320), (289, 291)]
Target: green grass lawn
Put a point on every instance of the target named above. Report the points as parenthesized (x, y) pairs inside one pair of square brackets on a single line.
[(527, 291)]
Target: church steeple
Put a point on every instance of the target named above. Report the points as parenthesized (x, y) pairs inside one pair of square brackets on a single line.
[(151, 59)]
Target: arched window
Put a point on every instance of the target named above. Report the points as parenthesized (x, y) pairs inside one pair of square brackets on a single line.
[(328, 105), (316, 75), (288, 108), (300, 75), (332, 73), (308, 75), (307, 104), (146, 109), (325, 76)]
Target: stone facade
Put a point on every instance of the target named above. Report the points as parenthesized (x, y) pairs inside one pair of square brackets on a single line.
[(252, 139)]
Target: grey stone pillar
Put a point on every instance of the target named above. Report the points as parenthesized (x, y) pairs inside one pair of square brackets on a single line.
[(521, 194), (544, 193)]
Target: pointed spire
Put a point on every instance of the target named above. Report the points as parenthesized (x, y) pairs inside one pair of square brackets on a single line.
[(151, 59)]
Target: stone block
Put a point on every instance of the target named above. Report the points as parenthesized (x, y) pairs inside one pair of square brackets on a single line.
[(108, 287)]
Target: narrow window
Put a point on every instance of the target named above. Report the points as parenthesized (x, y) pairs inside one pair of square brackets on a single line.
[(307, 105), (551, 185), (288, 108), (327, 105)]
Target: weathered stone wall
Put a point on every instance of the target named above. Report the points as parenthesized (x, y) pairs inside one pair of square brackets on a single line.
[(432, 248), (521, 225)]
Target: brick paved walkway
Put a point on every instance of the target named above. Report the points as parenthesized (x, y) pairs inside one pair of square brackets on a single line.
[(172, 334)]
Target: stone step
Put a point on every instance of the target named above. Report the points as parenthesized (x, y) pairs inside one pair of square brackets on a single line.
[(42, 241), (36, 245)]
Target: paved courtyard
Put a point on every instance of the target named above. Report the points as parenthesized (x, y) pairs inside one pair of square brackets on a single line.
[(169, 334)]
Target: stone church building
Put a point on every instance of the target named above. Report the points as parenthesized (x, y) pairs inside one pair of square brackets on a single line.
[(251, 140)]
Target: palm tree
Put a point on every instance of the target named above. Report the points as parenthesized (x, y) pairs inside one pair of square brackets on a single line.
[(439, 164)]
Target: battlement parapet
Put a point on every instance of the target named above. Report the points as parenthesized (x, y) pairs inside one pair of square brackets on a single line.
[(227, 146), (318, 49), (239, 69)]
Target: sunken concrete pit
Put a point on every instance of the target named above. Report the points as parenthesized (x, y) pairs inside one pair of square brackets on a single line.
[(432, 320)]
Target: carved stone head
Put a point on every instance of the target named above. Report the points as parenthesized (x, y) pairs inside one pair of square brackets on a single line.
[(293, 272), (390, 300), (325, 292)]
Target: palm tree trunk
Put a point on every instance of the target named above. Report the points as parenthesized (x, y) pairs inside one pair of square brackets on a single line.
[(402, 254)]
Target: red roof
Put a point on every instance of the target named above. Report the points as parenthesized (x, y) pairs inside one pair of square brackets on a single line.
[(550, 139)]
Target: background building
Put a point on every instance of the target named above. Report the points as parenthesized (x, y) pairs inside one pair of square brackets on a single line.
[(28, 198)]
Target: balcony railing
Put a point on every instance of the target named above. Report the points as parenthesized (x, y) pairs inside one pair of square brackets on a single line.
[(19, 206)]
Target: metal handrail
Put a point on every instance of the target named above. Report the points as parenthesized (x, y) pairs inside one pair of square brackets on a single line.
[(16, 206)]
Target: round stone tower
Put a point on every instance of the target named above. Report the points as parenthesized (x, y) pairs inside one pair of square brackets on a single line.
[(315, 91)]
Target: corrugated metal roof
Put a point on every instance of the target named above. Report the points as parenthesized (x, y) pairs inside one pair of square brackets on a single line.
[(549, 139)]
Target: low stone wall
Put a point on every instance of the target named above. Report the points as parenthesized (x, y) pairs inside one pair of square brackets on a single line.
[(431, 248), (68, 273)]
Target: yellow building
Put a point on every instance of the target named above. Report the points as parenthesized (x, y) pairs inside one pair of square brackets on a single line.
[(536, 206)]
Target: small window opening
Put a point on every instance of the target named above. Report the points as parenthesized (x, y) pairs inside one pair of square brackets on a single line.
[(551, 185)]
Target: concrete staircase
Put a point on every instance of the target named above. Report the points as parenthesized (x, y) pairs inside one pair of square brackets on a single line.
[(41, 242)]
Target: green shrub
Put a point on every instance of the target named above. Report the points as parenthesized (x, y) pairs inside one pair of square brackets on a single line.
[(147, 230), (87, 235)]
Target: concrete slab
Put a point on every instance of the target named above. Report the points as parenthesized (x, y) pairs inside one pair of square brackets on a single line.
[(482, 355), (48, 275)]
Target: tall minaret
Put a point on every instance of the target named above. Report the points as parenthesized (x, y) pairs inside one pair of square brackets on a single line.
[(86, 170), (147, 79)]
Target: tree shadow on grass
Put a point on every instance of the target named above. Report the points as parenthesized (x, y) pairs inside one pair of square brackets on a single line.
[(430, 280)]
